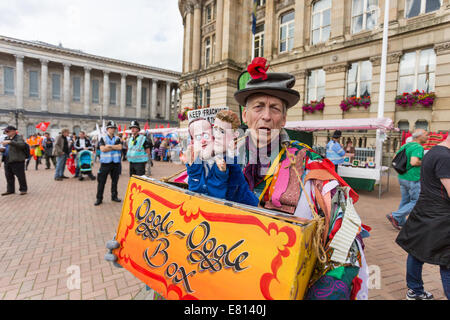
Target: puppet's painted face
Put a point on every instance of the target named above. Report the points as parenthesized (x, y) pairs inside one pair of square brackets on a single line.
[(201, 131), (223, 136)]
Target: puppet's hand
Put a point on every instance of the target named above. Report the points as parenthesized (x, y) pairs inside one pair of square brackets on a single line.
[(190, 154), (221, 164)]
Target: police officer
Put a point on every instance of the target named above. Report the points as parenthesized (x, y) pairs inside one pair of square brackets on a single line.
[(110, 156), (138, 150)]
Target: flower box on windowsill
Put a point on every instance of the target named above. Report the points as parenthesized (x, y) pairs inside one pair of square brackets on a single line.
[(355, 102), (314, 106), (417, 98)]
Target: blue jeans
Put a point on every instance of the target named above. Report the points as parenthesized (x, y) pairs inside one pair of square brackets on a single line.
[(414, 276), (60, 165), (410, 191)]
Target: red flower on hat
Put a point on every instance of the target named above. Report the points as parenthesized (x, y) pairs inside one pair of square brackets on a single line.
[(257, 69)]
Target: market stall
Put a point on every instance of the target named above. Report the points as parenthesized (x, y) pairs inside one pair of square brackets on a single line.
[(362, 171)]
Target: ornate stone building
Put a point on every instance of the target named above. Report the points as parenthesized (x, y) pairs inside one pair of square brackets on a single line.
[(76, 90), (332, 47)]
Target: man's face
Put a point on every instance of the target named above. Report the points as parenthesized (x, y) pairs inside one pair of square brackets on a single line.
[(111, 131), (82, 135), (223, 135), (265, 115), (134, 131), (201, 132), (11, 133), (424, 137)]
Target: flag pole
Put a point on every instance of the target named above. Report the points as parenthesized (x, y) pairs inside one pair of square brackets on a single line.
[(381, 97)]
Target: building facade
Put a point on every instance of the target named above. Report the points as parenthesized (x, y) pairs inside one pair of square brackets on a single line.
[(333, 48), (75, 90)]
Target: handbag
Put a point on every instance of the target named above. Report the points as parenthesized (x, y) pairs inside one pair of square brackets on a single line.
[(400, 162)]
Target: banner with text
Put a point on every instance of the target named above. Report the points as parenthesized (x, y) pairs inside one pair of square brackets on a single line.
[(205, 113), (191, 247)]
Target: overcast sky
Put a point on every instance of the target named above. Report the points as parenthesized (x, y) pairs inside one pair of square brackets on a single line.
[(148, 32)]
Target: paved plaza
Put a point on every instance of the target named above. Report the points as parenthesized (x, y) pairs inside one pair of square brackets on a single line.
[(46, 235)]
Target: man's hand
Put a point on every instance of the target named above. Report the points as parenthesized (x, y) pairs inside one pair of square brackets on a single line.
[(6, 142), (221, 164)]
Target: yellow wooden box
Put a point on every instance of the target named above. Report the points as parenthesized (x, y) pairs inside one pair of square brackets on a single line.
[(190, 246)]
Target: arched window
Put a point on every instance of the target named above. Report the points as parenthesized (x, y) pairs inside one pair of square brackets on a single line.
[(403, 125), (287, 31), (31, 129), (421, 124), (77, 130), (321, 21)]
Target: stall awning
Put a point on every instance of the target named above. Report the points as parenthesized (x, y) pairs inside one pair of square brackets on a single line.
[(384, 124)]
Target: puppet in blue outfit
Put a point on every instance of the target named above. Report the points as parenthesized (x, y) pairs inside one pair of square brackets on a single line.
[(208, 171)]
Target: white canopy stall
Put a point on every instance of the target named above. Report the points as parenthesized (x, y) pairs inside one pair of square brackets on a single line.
[(382, 124)]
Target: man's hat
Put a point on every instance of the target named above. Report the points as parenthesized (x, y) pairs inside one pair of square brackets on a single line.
[(135, 124), (337, 134), (274, 84), (9, 128), (111, 124)]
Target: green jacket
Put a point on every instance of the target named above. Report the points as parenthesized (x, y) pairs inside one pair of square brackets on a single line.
[(16, 151)]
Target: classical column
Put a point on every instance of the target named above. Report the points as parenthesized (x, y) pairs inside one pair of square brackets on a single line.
[(139, 97), (269, 36), (197, 36), (300, 26), (44, 79), (167, 107), (19, 81), (66, 92), (123, 85), (219, 31), (153, 100), (105, 93), (87, 87), (188, 44)]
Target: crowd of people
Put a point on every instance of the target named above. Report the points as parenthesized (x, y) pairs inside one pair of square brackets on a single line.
[(78, 153)]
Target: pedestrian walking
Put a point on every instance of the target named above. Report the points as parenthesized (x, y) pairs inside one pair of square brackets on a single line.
[(62, 152), (110, 156), (139, 149), (410, 180), (426, 233), (124, 147), (334, 150), (15, 153), (36, 151), (82, 143), (48, 144)]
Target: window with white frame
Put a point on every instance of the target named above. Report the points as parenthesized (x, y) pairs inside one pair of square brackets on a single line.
[(359, 79), (316, 85), (258, 43), (287, 31), (417, 71), (207, 52), (95, 91), (76, 94), (34, 84), (8, 80), (260, 3), (207, 97), (364, 15), (208, 13), (112, 93), (56, 86), (321, 21), (129, 95), (144, 97), (415, 7)]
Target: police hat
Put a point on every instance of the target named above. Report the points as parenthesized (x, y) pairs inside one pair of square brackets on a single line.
[(111, 124), (135, 124)]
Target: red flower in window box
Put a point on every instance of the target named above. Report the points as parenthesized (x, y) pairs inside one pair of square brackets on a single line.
[(258, 68)]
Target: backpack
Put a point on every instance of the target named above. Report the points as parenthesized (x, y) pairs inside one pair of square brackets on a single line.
[(400, 162)]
